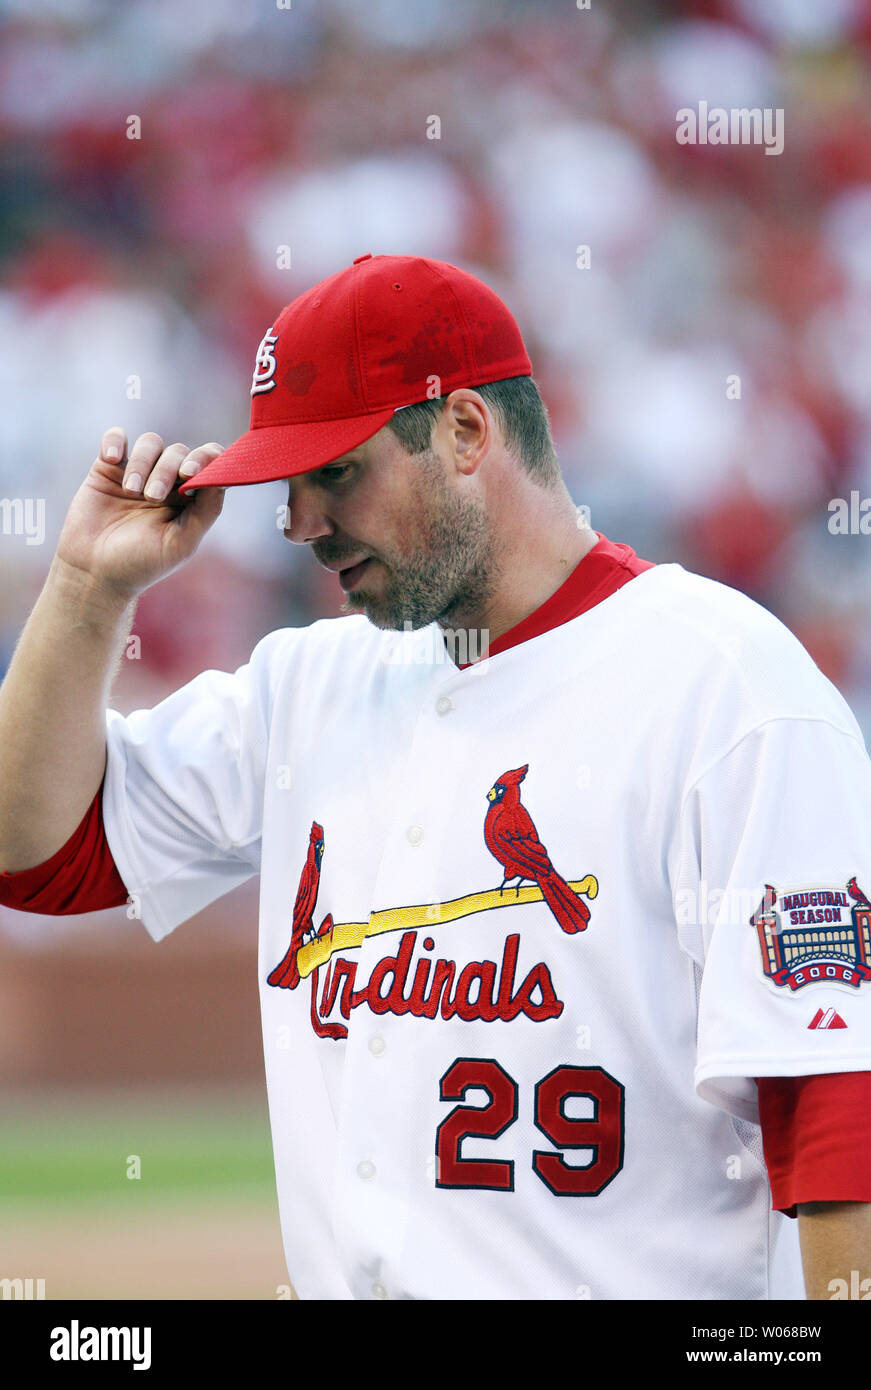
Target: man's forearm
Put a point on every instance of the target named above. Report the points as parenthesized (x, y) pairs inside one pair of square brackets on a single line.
[(52, 713), (835, 1245)]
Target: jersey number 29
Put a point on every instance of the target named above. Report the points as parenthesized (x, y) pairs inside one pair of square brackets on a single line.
[(602, 1133)]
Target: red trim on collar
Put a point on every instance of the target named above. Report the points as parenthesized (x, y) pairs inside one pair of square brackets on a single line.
[(603, 570)]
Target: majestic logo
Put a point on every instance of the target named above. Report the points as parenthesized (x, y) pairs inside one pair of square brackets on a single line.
[(481, 990), (815, 936), (264, 365), (827, 1018)]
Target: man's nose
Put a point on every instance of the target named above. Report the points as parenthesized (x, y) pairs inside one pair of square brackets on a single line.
[(304, 516)]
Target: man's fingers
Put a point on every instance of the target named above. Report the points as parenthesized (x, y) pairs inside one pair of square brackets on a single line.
[(205, 504), (164, 474), (143, 456), (151, 470), (198, 458), (113, 445)]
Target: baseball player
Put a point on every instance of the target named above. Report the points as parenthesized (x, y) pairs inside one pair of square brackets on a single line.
[(565, 942)]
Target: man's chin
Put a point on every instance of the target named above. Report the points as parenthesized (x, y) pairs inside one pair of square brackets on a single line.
[(380, 616), (361, 602)]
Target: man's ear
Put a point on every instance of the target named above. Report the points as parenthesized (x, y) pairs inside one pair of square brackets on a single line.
[(466, 429)]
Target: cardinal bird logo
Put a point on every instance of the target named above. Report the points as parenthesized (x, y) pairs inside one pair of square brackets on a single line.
[(286, 975), (769, 898), (512, 839)]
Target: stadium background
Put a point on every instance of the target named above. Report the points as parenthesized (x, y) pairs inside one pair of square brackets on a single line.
[(151, 265)]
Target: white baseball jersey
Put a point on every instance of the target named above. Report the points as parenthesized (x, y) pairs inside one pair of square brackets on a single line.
[(528, 932)]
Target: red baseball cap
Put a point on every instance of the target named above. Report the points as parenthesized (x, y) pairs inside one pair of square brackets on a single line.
[(386, 332)]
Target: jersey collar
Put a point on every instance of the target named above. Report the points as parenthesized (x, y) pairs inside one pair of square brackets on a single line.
[(603, 570)]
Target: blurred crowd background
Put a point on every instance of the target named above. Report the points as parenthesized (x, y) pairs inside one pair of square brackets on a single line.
[(139, 276)]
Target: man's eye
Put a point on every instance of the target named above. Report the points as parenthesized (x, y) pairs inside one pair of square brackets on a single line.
[(336, 473)]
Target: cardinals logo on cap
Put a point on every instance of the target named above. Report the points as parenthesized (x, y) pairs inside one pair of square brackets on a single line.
[(264, 365)]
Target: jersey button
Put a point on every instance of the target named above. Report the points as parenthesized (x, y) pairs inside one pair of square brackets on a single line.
[(414, 834), (443, 704), (365, 1170), (377, 1046), (379, 1291)]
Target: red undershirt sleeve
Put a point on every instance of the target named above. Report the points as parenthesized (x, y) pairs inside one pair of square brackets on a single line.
[(80, 877), (815, 1138)]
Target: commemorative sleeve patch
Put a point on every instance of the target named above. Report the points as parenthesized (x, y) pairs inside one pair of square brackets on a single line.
[(818, 935)]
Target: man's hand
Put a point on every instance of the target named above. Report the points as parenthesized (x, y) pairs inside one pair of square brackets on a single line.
[(117, 539), (127, 526), (835, 1240)]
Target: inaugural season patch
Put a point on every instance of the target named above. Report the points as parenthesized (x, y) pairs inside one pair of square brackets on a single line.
[(815, 935)]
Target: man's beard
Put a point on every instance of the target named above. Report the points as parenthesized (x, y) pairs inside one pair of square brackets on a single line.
[(452, 575)]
